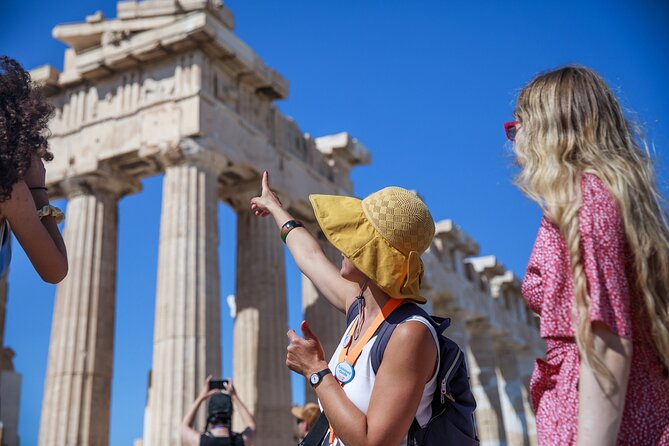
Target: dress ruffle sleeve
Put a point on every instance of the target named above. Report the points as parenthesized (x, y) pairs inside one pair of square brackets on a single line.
[(604, 256)]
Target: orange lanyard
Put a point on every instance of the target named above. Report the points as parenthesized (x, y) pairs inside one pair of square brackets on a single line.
[(350, 355)]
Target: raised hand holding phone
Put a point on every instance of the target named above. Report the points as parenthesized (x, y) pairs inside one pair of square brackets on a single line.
[(218, 384)]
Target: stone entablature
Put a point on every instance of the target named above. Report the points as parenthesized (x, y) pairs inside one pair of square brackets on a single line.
[(135, 86)]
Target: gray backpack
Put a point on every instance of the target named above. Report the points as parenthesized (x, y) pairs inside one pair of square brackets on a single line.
[(453, 404)]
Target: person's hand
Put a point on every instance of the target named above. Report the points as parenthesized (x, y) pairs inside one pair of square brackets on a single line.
[(35, 176), (205, 392), (230, 389), (262, 205), (305, 355)]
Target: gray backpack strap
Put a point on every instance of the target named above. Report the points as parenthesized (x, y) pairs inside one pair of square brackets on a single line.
[(352, 312), (385, 331), (317, 432)]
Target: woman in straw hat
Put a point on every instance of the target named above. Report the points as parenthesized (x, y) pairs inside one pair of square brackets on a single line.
[(380, 239), (599, 272), (306, 418)]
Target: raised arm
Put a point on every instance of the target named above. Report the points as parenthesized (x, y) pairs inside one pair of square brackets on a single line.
[(306, 251), (39, 238), (600, 412), (189, 436), (249, 420)]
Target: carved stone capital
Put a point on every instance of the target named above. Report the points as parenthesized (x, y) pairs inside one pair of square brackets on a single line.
[(191, 151), (7, 359), (454, 237), (100, 182)]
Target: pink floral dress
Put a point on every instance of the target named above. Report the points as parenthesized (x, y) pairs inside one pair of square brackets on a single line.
[(548, 290)]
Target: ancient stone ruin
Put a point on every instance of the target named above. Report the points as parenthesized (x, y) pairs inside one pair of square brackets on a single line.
[(167, 87)]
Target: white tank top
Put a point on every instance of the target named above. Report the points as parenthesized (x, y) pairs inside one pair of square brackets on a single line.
[(359, 390)]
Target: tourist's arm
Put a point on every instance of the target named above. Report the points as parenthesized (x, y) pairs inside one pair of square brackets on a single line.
[(189, 436), (306, 251), (600, 412), (408, 363), (39, 238), (248, 418)]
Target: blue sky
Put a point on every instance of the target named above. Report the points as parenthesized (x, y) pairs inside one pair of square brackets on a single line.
[(425, 85)]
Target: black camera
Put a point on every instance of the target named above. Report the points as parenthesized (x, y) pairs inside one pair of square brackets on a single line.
[(218, 384)]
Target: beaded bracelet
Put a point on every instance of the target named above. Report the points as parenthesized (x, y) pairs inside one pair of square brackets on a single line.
[(289, 226)]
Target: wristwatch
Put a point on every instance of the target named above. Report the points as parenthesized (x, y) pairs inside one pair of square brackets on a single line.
[(317, 377)]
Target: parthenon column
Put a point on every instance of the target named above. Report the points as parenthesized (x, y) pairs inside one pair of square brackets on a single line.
[(511, 394), (525, 359), (75, 410), (10, 381), (187, 340), (3, 306), (326, 321), (482, 371), (261, 377)]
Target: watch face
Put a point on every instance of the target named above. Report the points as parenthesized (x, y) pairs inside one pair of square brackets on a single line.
[(314, 378)]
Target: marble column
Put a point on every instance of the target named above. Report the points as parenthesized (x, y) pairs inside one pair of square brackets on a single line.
[(525, 359), (4, 288), (511, 394), (10, 381), (75, 409), (482, 371), (326, 321), (10, 392), (187, 337), (3, 308), (259, 362)]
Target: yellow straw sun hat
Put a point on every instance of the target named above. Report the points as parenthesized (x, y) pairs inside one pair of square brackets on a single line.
[(309, 413), (382, 235)]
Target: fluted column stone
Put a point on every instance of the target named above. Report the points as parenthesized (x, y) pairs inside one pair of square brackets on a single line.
[(525, 361), (325, 320), (3, 308), (76, 405), (260, 374), (483, 377), (511, 395), (10, 381), (187, 340)]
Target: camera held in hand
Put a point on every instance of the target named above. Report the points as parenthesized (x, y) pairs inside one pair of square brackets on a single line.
[(218, 384)]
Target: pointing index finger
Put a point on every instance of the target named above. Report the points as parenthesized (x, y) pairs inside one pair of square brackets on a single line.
[(292, 335), (265, 181)]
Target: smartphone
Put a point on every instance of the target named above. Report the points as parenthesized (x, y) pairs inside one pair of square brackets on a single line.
[(218, 384)]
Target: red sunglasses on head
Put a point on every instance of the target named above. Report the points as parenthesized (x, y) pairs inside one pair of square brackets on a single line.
[(511, 128)]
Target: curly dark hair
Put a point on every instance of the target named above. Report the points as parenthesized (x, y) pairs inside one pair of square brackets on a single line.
[(24, 115)]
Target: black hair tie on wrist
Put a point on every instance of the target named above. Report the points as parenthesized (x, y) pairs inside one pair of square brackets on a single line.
[(44, 188)]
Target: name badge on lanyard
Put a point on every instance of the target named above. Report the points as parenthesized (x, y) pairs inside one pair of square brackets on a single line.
[(344, 371)]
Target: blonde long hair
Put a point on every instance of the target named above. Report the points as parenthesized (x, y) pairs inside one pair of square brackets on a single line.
[(572, 124)]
